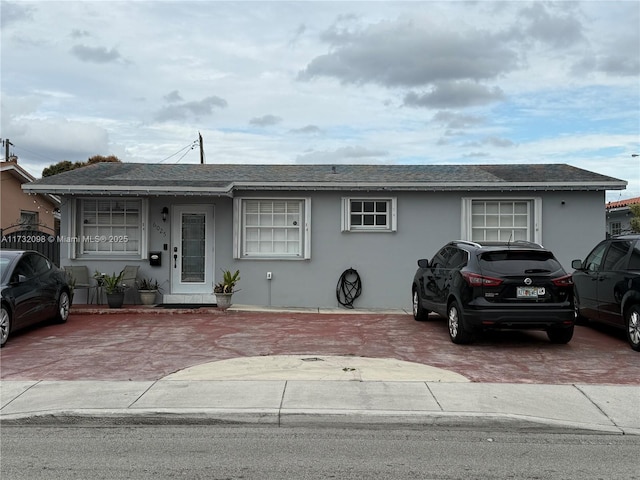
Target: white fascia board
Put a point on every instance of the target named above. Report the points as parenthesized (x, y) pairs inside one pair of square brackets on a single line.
[(25, 178), (17, 171), (126, 190), (495, 186), (388, 186)]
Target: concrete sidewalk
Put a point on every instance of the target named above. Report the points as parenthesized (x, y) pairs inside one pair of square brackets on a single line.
[(452, 404)]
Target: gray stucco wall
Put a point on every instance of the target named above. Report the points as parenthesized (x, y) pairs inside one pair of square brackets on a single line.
[(571, 229), (386, 262)]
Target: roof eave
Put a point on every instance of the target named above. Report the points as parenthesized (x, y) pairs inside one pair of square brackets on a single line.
[(101, 190), (433, 186), (164, 190)]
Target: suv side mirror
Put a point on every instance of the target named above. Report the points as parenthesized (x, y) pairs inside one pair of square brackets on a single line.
[(577, 264), (18, 278), (423, 263)]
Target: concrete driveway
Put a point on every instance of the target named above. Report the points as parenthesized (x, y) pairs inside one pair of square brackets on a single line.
[(149, 344)]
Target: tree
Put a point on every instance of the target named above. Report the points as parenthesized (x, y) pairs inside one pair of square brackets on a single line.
[(59, 167), (100, 158), (66, 165), (635, 220)]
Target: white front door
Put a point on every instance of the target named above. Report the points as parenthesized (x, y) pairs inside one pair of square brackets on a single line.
[(192, 249)]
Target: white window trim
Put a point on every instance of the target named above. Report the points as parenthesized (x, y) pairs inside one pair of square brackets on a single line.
[(238, 229), (615, 228), (536, 203), (75, 232), (345, 220)]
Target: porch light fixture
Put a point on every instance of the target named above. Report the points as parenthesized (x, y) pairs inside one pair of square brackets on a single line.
[(165, 212)]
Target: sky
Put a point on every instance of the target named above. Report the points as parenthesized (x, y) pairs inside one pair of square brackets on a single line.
[(331, 82)]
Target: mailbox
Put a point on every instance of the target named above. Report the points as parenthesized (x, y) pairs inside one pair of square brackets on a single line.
[(155, 259)]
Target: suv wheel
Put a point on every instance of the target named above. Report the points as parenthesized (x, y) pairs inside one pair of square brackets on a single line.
[(560, 334), (633, 327), (457, 330), (419, 312)]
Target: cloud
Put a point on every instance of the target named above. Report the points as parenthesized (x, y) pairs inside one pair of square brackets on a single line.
[(95, 54), (493, 142), (457, 120), (557, 30), (344, 155), (265, 121), (13, 12), (619, 57), (298, 34), (50, 141), (309, 129), (77, 33), (408, 54), (173, 96), (499, 142), (476, 155), (619, 64), (184, 110), (454, 95)]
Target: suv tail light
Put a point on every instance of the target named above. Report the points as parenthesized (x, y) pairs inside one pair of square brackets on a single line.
[(475, 280), (565, 281)]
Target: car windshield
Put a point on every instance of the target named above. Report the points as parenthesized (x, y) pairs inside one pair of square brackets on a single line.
[(512, 261)]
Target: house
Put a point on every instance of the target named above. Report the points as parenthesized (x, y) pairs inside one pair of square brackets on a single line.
[(292, 230), (619, 216), (24, 215), (20, 208)]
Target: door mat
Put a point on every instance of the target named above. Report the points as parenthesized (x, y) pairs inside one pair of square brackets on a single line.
[(187, 305)]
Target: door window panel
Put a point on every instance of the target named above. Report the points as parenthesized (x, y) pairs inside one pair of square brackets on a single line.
[(616, 255), (193, 247), (594, 260)]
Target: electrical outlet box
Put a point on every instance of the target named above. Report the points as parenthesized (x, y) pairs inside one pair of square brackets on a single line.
[(269, 275)]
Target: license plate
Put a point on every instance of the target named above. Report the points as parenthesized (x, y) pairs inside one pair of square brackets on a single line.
[(530, 292)]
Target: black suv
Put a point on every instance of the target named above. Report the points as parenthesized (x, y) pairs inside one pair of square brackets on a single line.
[(607, 285), (514, 285)]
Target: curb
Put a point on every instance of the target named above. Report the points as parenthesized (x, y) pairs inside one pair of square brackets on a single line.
[(311, 418)]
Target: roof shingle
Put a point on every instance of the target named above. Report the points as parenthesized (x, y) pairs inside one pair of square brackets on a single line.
[(226, 178)]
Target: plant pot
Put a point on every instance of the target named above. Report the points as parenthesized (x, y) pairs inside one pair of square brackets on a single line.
[(115, 300), (148, 297), (223, 300)]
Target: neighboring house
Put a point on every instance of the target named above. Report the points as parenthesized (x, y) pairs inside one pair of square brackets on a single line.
[(306, 224), (20, 208), (619, 216)]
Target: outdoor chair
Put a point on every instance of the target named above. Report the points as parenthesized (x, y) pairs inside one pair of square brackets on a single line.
[(80, 275), (129, 280)]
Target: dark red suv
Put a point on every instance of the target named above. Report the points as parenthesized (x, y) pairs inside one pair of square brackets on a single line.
[(607, 285), (511, 285)]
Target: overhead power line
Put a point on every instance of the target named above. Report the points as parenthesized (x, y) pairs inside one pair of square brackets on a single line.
[(189, 147)]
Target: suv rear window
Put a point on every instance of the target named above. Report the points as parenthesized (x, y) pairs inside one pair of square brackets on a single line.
[(518, 261)]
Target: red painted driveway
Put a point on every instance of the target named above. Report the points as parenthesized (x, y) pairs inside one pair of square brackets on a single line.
[(149, 344)]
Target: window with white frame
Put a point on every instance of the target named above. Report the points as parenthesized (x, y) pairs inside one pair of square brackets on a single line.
[(616, 228), (486, 220), (110, 227), (369, 214), (272, 227)]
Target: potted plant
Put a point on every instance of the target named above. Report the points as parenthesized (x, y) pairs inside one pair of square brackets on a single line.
[(114, 289), (99, 278), (147, 288), (224, 290)]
